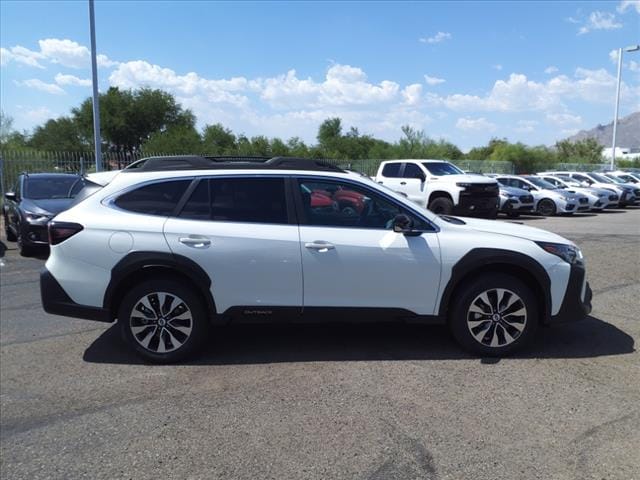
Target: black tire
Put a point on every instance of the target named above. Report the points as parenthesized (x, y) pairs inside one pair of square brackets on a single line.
[(513, 214), (509, 332), (11, 237), (156, 327), (441, 206), (492, 214), (546, 207), (24, 250)]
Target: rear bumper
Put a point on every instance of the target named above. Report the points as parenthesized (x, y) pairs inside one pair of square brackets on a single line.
[(56, 301), (577, 298)]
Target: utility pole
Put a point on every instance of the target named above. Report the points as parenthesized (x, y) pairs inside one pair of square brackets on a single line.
[(96, 103), (615, 117)]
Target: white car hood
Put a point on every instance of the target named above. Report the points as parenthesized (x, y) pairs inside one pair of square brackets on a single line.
[(513, 229), (464, 178)]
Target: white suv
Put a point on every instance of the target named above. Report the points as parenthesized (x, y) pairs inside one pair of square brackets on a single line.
[(441, 187), (176, 245)]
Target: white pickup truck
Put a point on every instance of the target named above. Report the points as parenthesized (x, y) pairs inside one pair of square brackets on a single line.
[(441, 187)]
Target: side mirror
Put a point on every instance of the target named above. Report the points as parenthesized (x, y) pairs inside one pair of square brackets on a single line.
[(421, 176), (10, 196), (403, 224)]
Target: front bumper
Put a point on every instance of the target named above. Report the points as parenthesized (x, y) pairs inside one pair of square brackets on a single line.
[(576, 304), (477, 205), (56, 301)]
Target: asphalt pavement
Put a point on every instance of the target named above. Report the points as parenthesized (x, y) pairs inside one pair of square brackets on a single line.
[(330, 401)]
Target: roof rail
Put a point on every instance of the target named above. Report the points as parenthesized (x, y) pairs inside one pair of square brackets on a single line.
[(196, 162)]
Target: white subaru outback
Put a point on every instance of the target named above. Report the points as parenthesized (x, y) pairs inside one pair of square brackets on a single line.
[(174, 245)]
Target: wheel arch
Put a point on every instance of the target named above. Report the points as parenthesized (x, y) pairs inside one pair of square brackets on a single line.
[(139, 266), (481, 261), (439, 194)]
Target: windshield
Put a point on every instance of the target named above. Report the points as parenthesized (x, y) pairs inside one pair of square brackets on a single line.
[(442, 168), (540, 183), (600, 178), (614, 178), (43, 188), (89, 188)]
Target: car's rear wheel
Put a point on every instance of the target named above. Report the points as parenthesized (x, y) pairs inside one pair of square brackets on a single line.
[(441, 206), (546, 207), (11, 237), (494, 315), (163, 320)]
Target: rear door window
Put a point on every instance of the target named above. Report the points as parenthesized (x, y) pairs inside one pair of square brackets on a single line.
[(391, 170), (238, 199), (159, 198)]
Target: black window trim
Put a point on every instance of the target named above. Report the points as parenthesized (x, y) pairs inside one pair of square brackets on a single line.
[(295, 182), (400, 168)]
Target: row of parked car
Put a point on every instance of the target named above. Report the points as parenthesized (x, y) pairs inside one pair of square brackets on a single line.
[(445, 189)]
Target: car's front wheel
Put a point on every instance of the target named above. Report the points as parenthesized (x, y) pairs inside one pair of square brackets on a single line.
[(546, 207), (441, 206), (494, 315), (163, 320)]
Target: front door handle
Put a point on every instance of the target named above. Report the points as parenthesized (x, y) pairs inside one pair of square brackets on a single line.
[(319, 245), (403, 183), (195, 241)]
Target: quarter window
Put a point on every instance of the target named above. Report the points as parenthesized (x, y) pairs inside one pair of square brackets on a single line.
[(337, 204), (251, 200), (155, 199)]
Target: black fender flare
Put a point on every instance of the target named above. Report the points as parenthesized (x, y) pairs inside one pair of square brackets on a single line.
[(478, 260), (138, 261)]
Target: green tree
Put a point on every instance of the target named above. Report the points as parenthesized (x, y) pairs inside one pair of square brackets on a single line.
[(128, 118), (581, 151), (10, 138), (60, 134), (178, 139), (218, 140)]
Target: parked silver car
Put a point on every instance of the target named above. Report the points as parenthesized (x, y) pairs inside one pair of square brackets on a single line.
[(548, 200), (514, 201), (599, 198)]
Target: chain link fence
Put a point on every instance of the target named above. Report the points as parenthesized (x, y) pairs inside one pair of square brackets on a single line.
[(14, 162)]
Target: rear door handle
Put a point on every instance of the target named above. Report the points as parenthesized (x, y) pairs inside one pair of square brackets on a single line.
[(319, 245), (195, 241)]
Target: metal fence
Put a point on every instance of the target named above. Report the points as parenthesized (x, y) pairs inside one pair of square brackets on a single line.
[(14, 162)]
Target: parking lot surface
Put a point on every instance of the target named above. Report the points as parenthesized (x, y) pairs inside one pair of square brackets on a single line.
[(330, 401)]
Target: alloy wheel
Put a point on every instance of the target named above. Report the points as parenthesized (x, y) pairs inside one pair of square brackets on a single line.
[(161, 322), (497, 317)]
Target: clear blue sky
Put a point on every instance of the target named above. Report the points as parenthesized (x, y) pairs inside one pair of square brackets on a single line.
[(466, 71)]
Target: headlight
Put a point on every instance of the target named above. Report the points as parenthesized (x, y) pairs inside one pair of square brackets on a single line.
[(513, 197), (568, 253), (464, 185), (36, 217)]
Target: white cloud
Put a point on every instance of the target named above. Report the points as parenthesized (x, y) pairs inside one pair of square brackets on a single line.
[(613, 56), (62, 79), (518, 93), (42, 86), (475, 124), (564, 119), (634, 66), (21, 55), (497, 67), (343, 85), (412, 94), (36, 115), (437, 38), (599, 21), (625, 4), (526, 126), (433, 80), (63, 52), (550, 70)]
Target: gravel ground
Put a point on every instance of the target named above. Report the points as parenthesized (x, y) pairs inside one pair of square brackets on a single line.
[(330, 402)]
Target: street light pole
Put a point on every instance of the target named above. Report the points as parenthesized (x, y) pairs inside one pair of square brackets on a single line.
[(615, 117), (632, 48), (96, 103)]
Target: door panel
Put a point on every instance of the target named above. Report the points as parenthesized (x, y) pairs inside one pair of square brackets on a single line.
[(249, 264), (237, 229), (354, 259), (370, 268)]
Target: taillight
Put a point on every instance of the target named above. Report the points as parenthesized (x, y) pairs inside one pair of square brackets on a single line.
[(60, 231)]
